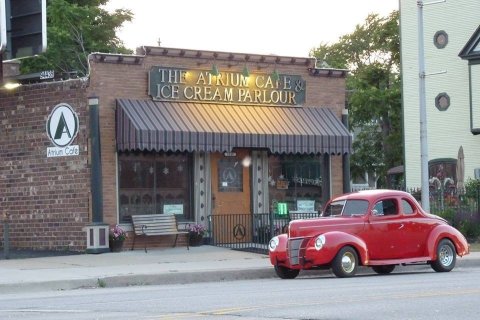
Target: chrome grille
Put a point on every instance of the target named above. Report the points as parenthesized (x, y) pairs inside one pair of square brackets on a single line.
[(294, 246)]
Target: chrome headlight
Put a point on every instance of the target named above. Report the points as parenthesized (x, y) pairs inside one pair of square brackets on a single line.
[(319, 242), (272, 245)]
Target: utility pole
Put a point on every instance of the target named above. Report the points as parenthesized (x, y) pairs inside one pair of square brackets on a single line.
[(423, 108), (3, 36), (423, 111)]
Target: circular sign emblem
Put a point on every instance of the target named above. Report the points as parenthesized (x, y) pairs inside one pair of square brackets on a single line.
[(239, 231), (62, 125)]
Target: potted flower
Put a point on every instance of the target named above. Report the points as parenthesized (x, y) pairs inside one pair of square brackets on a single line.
[(116, 238), (195, 234)]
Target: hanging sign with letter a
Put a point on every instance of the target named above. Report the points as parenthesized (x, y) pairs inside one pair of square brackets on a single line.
[(62, 128)]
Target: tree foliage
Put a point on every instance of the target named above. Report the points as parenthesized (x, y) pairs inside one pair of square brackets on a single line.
[(372, 54), (75, 28)]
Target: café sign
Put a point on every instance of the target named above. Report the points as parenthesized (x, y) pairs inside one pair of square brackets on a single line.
[(62, 128), (178, 84)]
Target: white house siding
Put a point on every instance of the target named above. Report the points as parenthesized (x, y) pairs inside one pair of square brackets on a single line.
[(450, 129)]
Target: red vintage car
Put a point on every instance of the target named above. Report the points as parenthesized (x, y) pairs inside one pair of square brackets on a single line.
[(376, 228)]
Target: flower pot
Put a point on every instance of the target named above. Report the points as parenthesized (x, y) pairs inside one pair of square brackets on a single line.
[(195, 240), (116, 245)]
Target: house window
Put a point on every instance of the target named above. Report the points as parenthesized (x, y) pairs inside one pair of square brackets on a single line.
[(442, 173), (155, 183), (440, 39), (442, 101)]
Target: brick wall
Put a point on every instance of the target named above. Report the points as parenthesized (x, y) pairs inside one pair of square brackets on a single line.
[(46, 199)]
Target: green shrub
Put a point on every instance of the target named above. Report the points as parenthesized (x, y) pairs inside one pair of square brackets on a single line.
[(472, 188), (469, 229), (448, 214)]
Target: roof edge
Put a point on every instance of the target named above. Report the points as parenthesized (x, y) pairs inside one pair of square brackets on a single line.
[(226, 56)]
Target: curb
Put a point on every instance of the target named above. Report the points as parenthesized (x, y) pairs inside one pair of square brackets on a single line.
[(189, 277), (139, 280)]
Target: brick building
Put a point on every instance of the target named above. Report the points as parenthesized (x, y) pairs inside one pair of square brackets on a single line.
[(185, 132)]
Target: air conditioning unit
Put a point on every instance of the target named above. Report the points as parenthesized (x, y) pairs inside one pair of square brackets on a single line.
[(477, 173)]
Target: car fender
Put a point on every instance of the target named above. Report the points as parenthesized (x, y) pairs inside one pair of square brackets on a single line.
[(334, 241), (446, 231), (280, 253)]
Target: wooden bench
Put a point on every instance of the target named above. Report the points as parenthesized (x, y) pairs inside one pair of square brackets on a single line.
[(155, 225)]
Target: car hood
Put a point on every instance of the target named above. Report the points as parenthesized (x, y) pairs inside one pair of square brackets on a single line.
[(313, 227)]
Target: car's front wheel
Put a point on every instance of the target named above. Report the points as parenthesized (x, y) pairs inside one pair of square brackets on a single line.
[(286, 273), (446, 256), (384, 269), (345, 263)]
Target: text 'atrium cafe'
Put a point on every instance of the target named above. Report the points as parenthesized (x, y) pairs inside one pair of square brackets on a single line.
[(202, 134)]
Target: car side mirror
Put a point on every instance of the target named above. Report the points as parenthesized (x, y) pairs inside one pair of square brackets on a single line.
[(376, 213)]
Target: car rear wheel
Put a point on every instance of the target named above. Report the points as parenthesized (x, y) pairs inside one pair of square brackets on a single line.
[(446, 256), (286, 273), (345, 263), (384, 269)]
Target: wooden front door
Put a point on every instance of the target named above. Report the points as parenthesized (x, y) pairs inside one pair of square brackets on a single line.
[(231, 196)]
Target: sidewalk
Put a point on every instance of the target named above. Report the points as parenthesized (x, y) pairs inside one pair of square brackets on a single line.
[(127, 268), (158, 266)]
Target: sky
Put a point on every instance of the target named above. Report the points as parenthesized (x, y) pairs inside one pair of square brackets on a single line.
[(278, 27)]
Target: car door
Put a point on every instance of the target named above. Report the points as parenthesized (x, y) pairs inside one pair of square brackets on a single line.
[(417, 229), (385, 231)]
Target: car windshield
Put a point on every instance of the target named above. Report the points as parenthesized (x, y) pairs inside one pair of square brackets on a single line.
[(346, 208)]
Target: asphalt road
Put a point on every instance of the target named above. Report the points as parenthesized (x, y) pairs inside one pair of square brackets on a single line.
[(417, 293)]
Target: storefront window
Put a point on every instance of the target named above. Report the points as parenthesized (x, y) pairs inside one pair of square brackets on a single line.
[(155, 183), (295, 184)]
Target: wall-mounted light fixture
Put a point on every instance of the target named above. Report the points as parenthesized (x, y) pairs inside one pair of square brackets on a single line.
[(245, 72), (11, 85), (214, 71), (275, 76)]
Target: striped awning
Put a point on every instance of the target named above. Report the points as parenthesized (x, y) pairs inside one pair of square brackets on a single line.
[(182, 126)]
